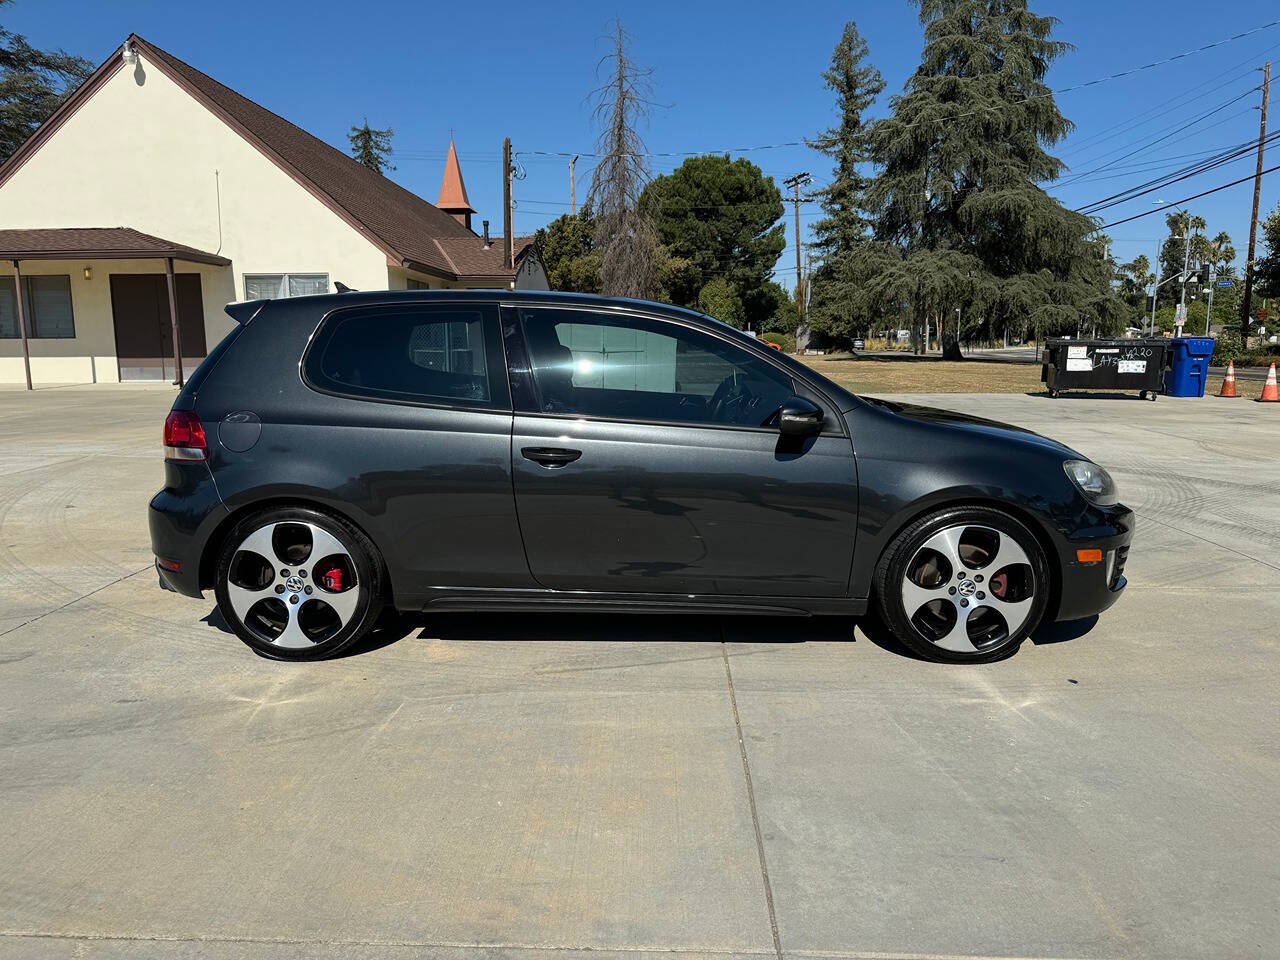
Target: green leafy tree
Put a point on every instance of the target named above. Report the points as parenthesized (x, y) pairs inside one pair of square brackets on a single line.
[(723, 217), (719, 298), (784, 316), (371, 147), (32, 85), (1267, 267), (567, 246), (835, 307), (958, 197)]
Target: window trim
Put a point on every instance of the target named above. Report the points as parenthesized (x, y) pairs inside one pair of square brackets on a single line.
[(832, 421), (499, 389), (284, 276), (29, 312)]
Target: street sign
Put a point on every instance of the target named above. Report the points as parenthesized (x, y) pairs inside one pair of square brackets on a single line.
[(1226, 283)]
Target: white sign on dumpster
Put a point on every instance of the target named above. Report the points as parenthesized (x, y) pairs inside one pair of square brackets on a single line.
[(1131, 366), (1078, 359)]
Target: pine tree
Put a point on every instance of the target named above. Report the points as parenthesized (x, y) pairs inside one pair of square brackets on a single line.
[(958, 197), (836, 304), (371, 147), (32, 85), (856, 84)]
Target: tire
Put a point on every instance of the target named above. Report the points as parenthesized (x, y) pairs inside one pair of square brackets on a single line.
[(277, 596), (1005, 575)]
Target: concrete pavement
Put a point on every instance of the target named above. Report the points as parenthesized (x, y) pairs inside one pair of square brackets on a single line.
[(520, 786)]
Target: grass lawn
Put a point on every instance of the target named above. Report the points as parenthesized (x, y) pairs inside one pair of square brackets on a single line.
[(905, 374)]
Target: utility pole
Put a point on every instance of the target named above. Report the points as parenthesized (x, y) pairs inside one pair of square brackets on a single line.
[(1208, 310), (1253, 223), (795, 183), (1186, 265), (507, 171), (573, 189)]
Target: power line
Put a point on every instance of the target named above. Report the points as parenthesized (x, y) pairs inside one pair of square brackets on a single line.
[(1196, 196), (1193, 170), (1239, 70), (1172, 133)]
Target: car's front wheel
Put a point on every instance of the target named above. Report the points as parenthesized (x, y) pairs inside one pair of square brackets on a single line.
[(964, 585), (298, 584)]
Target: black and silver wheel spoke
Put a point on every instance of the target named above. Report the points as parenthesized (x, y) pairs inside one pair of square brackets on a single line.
[(293, 584), (968, 588)]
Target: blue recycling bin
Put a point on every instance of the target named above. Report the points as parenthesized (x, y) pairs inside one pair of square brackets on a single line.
[(1187, 374)]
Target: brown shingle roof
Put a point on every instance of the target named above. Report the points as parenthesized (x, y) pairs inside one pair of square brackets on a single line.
[(99, 243), (404, 225), (470, 258)]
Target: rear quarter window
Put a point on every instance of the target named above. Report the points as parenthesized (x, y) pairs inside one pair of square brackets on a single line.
[(436, 355)]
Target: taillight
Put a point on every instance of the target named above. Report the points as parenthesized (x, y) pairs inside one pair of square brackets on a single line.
[(184, 437)]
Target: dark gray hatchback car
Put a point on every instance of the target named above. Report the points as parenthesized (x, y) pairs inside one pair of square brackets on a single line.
[(337, 457)]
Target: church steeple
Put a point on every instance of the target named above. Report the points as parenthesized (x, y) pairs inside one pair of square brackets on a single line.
[(453, 192)]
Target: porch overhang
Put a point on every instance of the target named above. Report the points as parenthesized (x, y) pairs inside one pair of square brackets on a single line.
[(98, 243)]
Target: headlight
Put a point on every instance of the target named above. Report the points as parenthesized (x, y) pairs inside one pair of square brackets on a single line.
[(1094, 482)]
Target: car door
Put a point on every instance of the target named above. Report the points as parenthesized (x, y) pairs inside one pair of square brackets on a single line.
[(642, 462), (411, 427)]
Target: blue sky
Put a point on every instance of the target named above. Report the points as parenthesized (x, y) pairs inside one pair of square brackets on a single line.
[(725, 76)]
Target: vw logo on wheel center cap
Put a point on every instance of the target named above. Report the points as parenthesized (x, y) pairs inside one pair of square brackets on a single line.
[(294, 584), (968, 588)]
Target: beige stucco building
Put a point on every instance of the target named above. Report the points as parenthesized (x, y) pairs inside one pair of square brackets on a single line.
[(154, 171)]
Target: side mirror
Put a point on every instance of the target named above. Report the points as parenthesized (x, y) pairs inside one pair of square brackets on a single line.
[(799, 417)]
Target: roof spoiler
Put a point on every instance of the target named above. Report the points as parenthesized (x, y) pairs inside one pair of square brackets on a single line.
[(244, 310)]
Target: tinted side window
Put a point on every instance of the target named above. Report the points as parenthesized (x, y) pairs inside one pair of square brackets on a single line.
[(440, 355), (635, 368)]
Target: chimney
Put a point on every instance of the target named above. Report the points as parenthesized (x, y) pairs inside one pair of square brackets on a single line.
[(487, 244)]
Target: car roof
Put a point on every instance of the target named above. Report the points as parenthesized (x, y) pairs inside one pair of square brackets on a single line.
[(332, 301)]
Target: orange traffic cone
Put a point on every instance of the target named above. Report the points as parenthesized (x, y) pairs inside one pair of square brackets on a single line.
[(1271, 393), (1229, 384)]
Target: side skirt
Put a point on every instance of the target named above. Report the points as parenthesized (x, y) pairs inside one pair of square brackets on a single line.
[(512, 601)]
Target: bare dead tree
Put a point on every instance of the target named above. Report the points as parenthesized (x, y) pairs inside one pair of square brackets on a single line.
[(625, 237)]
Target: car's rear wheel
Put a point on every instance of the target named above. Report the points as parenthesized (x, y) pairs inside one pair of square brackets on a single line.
[(964, 585), (298, 584)]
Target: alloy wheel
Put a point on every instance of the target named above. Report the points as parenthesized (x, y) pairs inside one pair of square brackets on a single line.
[(293, 584), (969, 588)]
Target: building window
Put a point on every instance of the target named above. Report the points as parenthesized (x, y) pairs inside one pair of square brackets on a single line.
[(412, 283), (46, 302), (276, 286)]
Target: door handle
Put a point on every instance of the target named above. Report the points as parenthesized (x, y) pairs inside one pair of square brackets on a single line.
[(550, 456)]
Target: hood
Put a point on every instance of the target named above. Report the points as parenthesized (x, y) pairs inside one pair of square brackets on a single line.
[(965, 423)]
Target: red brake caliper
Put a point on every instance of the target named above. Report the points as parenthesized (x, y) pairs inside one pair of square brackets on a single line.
[(331, 579), (999, 584)]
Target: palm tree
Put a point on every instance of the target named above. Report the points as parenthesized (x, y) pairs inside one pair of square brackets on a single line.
[(1222, 253)]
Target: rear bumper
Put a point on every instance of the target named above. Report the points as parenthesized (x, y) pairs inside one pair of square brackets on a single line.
[(182, 518), (1088, 588)]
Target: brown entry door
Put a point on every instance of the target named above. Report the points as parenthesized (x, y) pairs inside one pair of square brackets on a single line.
[(144, 337)]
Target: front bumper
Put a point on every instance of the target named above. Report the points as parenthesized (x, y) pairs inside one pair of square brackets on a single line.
[(1090, 587)]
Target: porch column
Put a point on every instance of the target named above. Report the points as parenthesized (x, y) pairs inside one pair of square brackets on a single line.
[(173, 320), (22, 320)]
